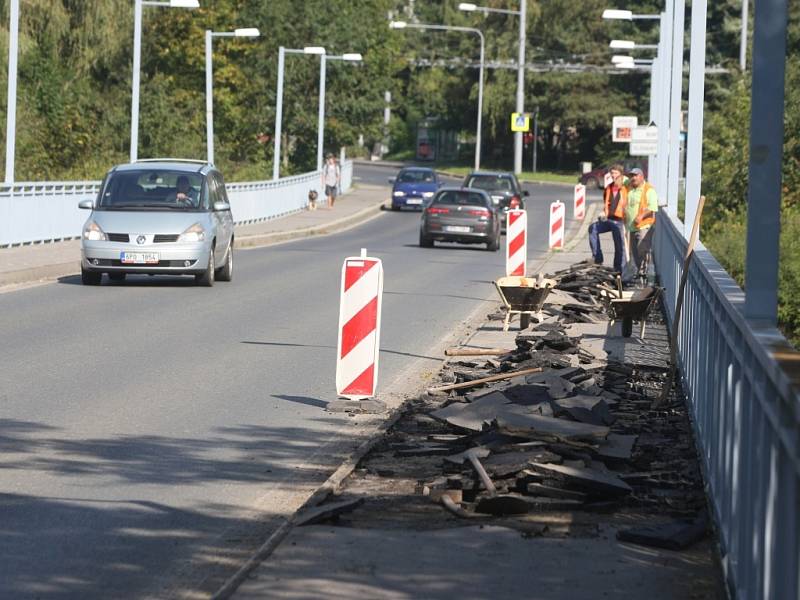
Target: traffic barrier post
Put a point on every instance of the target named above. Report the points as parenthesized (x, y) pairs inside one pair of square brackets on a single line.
[(516, 242), (358, 343), (579, 205), (557, 212)]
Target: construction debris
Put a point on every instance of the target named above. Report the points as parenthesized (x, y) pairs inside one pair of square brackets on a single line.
[(561, 423)]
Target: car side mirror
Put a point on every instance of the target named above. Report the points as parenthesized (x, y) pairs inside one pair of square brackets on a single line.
[(221, 206), (86, 204), (391, 179), (526, 193)]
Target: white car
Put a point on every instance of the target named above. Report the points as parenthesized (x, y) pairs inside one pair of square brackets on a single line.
[(159, 217)]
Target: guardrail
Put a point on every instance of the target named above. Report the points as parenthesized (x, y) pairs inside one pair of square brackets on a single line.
[(34, 212), (746, 418)]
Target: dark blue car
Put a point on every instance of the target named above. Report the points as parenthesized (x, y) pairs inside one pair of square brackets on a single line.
[(413, 187)]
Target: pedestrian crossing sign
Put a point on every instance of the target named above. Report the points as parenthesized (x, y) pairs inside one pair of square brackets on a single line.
[(520, 122)]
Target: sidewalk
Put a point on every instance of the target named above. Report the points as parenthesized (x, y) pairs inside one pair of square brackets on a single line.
[(43, 262), (393, 542)]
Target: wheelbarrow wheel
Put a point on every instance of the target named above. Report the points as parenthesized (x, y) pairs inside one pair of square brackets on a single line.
[(524, 321), (627, 326)]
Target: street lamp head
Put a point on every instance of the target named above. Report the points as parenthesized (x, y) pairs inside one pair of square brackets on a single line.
[(247, 32), (622, 45), (353, 56), (184, 4), (625, 65), (313, 50), (467, 6), (625, 15), (398, 25), (621, 58)]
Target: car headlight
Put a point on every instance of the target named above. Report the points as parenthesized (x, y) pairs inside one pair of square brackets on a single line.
[(398, 194), (195, 233), (427, 194), (93, 232)]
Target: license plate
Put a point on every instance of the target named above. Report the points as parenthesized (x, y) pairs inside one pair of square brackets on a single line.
[(414, 201), (457, 229), (138, 258)]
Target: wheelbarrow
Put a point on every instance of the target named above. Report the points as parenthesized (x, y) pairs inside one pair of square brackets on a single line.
[(523, 296), (630, 306)]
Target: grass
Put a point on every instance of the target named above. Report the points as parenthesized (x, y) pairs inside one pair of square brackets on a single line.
[(539, 176)]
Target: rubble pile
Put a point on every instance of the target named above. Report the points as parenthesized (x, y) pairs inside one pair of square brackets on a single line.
[(576, 433)]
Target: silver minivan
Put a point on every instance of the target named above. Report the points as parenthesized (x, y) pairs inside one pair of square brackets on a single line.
[(159, 217)]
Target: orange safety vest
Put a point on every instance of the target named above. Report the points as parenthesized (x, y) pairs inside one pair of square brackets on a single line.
[(643, 207), (621, 205)]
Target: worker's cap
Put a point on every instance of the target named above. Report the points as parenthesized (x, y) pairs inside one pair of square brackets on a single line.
[(636, 171)]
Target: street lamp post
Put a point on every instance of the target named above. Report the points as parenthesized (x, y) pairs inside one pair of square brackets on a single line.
[(210, 35), (11, 126), (347, 57), (137, 59), (479, 33), (282, 52), (520, 106)]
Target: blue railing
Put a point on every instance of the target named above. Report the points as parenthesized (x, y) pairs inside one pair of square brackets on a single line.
[(741, 383)]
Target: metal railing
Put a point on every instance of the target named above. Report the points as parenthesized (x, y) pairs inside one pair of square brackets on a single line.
[(35, 212), (746, 416)]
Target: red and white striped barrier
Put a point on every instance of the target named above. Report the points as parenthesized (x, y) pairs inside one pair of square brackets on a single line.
[(516, 242), (557, 213), (359, 327), (579, 205)]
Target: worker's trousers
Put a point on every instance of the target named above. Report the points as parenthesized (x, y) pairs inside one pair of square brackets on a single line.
[(617, 230)]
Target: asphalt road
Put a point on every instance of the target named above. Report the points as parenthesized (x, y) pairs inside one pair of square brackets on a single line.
[(152, 433)]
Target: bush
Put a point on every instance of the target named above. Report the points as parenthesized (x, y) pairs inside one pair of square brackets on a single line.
[(726, 241)]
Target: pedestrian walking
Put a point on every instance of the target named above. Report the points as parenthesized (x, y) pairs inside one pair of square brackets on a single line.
[(331, 178), (612, 220), (640, 216)]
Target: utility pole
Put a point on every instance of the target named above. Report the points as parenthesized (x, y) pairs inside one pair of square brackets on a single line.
[(520, 84), (11, 133), (743, 43)]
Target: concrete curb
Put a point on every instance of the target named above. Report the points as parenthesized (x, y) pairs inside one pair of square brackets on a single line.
[(37, 274), (72, 268), (268, 239)]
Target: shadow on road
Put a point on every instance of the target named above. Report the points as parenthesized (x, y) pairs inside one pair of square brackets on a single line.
[(80, 517)]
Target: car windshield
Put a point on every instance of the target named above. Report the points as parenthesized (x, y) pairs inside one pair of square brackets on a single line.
[(415, 177), (460, 198), (154, 189), (490, 183)]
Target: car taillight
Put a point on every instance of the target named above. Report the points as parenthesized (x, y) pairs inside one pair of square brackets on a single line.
[(434, 210), (514, 202), (479, 212)]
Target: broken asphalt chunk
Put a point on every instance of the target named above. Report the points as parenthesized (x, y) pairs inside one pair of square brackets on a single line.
[(593, 482)]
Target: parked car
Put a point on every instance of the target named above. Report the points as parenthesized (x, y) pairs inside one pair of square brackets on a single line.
[(596, 177), (466, 216), (159, 217), (503, 188), (413, 187)]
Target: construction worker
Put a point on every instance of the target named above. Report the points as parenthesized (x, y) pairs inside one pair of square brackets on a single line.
[(615, 201), (640, 216)]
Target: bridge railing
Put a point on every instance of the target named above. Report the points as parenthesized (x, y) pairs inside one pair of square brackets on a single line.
[(740, 384), (33, 212)]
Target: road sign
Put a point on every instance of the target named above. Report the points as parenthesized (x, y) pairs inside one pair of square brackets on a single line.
[(520, 122), (643, 148), (579, 203), (648, 133), (557, 213), (359, 327), (622, 128), (516, 242)]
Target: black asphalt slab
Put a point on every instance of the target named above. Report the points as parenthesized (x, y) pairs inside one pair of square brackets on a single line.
[(151, 427)]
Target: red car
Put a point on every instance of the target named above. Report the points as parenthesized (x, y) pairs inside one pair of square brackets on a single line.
[(596, 177)]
